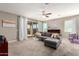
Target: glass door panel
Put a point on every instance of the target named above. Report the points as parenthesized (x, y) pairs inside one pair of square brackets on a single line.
[(45, 27)]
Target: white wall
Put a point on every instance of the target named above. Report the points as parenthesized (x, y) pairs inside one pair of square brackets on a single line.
[(59, 24), (56, 24), (78, 25), (10, 33)]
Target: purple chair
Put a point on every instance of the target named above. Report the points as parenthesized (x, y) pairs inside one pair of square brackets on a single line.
[(74, 38)]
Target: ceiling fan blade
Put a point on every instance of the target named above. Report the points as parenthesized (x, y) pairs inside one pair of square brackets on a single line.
[(46, 16), (48, 13)]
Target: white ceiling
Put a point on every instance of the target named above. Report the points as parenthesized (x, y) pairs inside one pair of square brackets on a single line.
[(34, 10)]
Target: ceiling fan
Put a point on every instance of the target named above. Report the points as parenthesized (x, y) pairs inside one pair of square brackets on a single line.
[(46, 14)]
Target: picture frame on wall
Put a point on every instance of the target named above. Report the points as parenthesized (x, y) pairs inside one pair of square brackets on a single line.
[(9, 23)]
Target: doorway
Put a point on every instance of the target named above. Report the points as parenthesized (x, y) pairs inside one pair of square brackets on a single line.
[(31, 28)]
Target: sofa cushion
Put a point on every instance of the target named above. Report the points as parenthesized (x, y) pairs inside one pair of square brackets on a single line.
[(46, 34), (37, 34), (55, 36), (54, 43)]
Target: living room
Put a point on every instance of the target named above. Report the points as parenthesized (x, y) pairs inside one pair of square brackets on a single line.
[(46, 28)]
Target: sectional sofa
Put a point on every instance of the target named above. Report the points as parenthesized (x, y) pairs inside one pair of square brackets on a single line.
[(49, 39)]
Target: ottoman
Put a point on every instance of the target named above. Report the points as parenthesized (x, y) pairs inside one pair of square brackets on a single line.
[(54, 43)]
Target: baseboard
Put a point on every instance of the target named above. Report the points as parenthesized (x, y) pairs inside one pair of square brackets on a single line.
[(12, 41)]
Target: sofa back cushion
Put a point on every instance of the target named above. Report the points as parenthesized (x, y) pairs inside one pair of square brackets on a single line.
[(46, 34)]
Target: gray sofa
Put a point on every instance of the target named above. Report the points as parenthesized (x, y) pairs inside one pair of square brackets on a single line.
[(53, 43), (48, 41), (44, 35)]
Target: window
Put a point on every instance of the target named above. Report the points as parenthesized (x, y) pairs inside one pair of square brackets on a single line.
[(42, 26), (45, 27), (70, 26), (39, 26)]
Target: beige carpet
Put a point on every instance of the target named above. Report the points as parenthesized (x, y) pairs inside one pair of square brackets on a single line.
[(33, 47)]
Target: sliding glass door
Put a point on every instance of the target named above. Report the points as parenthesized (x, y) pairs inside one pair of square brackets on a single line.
[(33, 27), (42, 26), (45, 27)]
